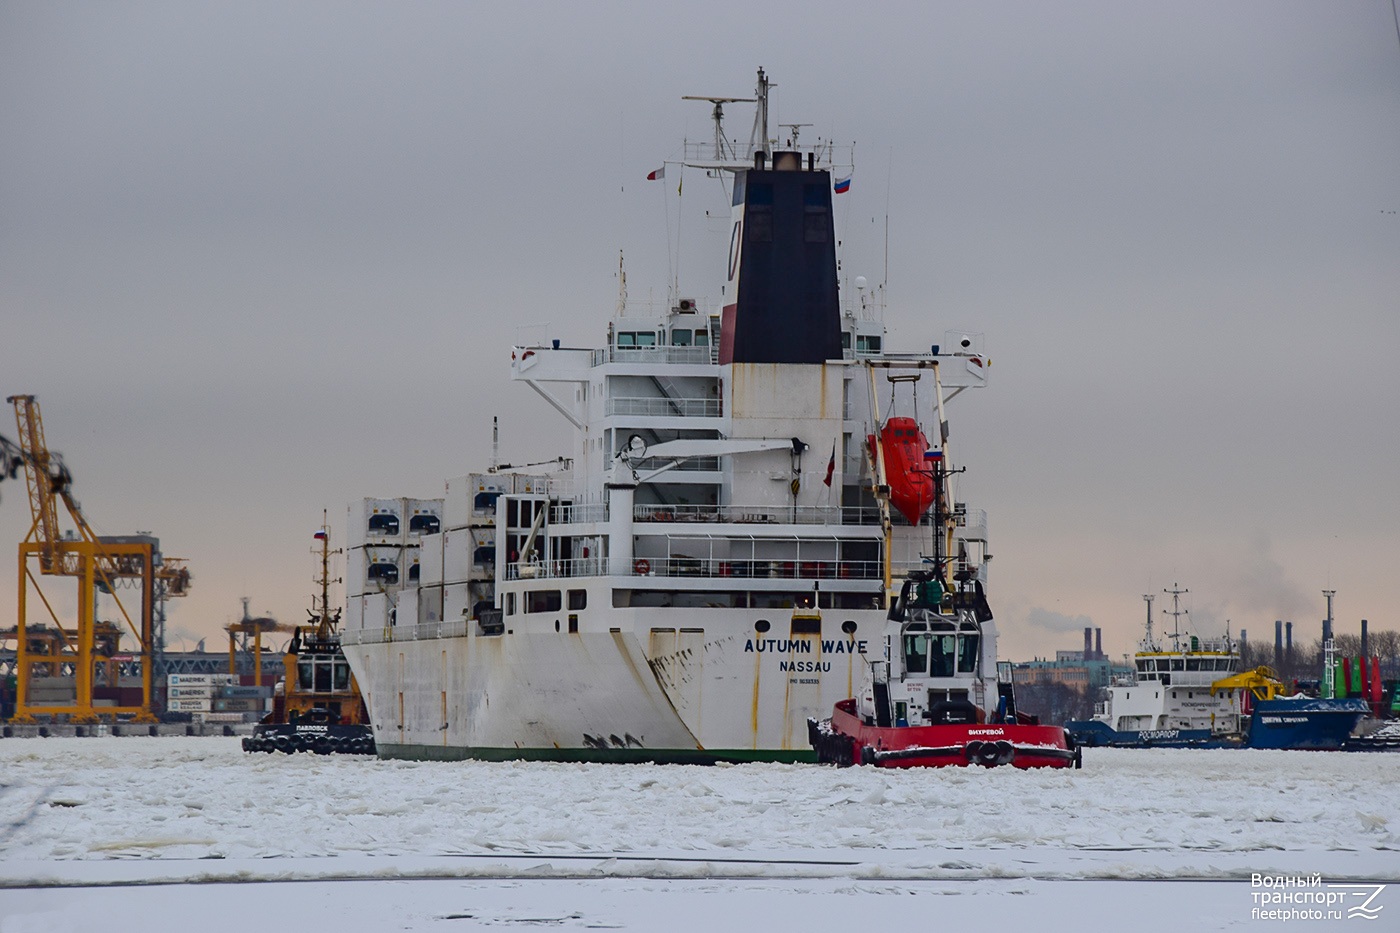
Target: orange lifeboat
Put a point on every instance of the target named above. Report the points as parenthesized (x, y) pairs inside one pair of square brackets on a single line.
[(909, 469)]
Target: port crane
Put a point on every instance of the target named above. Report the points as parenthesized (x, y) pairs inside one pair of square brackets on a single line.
[(246, 636), (88, 654)]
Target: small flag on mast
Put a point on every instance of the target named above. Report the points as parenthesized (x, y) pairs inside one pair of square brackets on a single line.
[(843, 185), (321, 535), (831, 464), (658, 174)]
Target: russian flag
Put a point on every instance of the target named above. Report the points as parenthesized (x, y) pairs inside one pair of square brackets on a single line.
[(843, 185), (321, 535), (934, 454)]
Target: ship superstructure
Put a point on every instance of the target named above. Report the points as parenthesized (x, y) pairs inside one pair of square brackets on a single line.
[(716, 563)]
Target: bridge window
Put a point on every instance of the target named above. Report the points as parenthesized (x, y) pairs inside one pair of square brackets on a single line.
[(944, 649), (916, 654), (967, 654)]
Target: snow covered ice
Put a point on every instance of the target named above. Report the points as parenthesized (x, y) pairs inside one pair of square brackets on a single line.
[(617, 846)]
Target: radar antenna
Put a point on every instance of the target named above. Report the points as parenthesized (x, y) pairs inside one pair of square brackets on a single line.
[(726, 153), (795, 128), (723, 149)]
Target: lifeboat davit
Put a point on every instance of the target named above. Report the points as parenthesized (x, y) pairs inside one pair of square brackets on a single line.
[(908, 471)]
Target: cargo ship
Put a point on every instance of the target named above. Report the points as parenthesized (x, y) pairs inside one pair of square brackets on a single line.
[(1192, 694), (715, 563)]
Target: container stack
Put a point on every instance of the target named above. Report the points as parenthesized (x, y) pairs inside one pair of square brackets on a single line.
[(216, 698), (469, 551), (385, 557)]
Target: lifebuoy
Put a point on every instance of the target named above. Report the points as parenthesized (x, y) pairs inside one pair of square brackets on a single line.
[(642, 566)]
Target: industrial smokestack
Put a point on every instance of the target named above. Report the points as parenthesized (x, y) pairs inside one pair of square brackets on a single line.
[(1278, 643), (1098, 644), (1365, 641), (1288, 642), (1088, 642)]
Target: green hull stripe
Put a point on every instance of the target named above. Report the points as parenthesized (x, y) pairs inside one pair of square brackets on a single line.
[(671, 756)]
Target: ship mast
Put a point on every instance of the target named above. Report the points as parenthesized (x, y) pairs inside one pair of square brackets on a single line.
[(1329, 651), (1147, 638), (325, 620), (1176, 613)]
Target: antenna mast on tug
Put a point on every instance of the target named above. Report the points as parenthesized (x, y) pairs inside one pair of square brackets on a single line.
[(324, 619)]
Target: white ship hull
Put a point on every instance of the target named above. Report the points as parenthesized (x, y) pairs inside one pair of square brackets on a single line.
[(677, 685)]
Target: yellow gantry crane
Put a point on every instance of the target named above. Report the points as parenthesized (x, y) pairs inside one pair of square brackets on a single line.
[(250, 632), (88, 653)]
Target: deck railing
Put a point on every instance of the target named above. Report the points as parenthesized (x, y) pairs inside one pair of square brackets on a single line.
[(701, 355), (693, 567), (658, 407), (749, 515)]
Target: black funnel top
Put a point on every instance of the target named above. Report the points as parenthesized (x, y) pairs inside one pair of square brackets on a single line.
[(782, 269)]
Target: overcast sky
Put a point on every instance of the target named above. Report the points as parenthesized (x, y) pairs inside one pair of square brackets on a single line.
[(261, 259)]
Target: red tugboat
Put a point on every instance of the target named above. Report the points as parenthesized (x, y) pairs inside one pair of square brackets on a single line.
[(930, 702), (936, 696)]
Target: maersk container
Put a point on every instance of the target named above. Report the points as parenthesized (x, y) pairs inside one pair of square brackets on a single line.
[(187, 705), (430, 559), (187, 680), (239, 692), (192, 691), (424, 516)]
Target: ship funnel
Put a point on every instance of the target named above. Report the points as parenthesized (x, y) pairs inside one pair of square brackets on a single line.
[(782, 266)]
